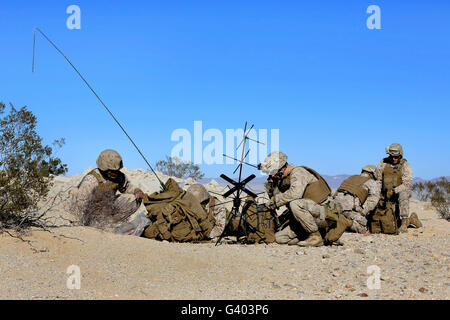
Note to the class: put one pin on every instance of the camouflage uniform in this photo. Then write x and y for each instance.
(352, 207)
(307, 212)
(403, 190)
(219, 213)
(125, 201)
(96, 201)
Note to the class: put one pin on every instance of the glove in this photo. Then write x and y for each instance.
(389, 194)
(138, 194)
(271, 204)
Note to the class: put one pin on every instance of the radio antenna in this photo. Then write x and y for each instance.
(96, 95)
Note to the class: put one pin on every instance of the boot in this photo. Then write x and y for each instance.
(314, 240)
(293, 241)
(342, 224)
(414, 221)
(404, 225)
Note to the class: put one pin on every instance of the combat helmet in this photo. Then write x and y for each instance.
(109, 160)
(199, 192)
(273, 162)
(395, 150)
(371, 169)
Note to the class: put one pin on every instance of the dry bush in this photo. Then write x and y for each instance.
(438, 193)
(26, 168)
(101, 211)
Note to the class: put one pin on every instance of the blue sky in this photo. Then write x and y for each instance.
(337, 91)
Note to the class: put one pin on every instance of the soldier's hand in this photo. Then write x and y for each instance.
(138, 194)
(271, 205)
(389, 194)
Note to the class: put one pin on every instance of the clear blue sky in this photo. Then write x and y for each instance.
(337, 91)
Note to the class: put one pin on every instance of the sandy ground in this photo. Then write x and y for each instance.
(412, 266)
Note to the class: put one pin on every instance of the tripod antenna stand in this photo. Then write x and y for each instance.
(239, 187)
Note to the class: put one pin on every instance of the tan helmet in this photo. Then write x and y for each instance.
(273, 162)
(395, 150)
(109, 160)
(370, 169)
(199, 191)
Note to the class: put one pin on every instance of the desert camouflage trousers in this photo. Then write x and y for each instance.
(359, 222)
(220, 216)
(308, 213)
(403, 203)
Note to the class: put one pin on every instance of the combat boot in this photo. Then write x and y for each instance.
(314, 240)
(293, 241)
(404, 225)
(414, 220)
(342, 224)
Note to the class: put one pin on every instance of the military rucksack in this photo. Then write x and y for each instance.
(336, 222)
(253, 224)
(176, 215)
(384, 219)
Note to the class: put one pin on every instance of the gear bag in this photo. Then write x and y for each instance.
(384, 219)
(176, 215)
(337, 223)
(253, 226)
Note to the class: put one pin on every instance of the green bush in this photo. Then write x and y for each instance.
(175, 167)
(437, 192)
(26, 167)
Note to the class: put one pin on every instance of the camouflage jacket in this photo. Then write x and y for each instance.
(407, 176)
(299, 180)
(89, 183)
(351, 202)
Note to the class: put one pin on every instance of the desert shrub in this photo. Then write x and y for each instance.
(437, 192)
(175, 167)
(26, 168)
(101, 211)
(420, 190)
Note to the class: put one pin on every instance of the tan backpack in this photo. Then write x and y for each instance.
(384, 219)
(176, 215)
(253, 226)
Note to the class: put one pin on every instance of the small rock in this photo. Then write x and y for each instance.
(364, 295)
(360, 251)
(325, 256)
(275, 286)
(350, 287)
(423, 290)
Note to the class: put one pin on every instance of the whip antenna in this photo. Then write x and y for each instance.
(107, 109)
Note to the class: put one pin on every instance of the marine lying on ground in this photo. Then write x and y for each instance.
(105, 198)
(377, 200)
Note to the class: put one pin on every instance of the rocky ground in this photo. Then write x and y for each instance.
(412, 266)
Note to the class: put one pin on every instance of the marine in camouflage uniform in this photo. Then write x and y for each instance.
(395, 175)
(108, 182)
(211, 205)
(358, 196)
(303, 191)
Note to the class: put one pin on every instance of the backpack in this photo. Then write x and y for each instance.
(252, 226)
(176, 215)
(384, 219)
